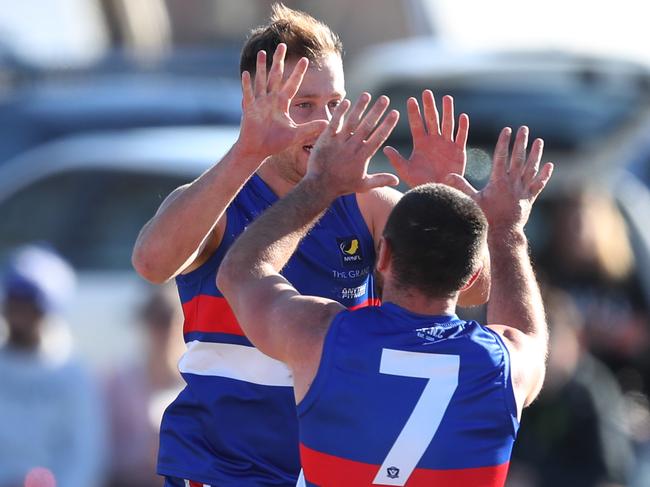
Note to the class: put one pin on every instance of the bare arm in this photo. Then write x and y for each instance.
(277, 319)
(190, 223)
(515, 309)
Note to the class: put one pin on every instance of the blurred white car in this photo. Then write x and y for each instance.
(89, 195)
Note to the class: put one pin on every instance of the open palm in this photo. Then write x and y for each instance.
(266, 127)
(436, 152)
(514, 184)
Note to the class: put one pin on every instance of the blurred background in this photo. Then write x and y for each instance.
(108, 105)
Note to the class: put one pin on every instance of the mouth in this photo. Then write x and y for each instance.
(307, 148)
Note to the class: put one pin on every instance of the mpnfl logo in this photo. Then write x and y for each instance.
(349, 250)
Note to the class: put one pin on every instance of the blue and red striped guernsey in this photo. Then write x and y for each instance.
(407, 399)
(235, 422)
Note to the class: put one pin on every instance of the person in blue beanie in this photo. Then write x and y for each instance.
(50, 419)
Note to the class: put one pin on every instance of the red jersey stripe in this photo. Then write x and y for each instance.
(210, 314)
(366, 303)
(330, 471)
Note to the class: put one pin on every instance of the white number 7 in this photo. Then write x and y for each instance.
(413, 440)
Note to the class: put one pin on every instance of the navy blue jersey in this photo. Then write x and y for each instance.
(407, 399)
(235, 423)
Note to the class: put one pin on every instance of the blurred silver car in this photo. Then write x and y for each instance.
(593, 113)
(89, 195)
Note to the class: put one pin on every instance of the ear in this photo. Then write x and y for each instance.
(384, 255)
(472, 279)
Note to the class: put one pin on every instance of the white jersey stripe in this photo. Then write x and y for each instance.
(234, 362)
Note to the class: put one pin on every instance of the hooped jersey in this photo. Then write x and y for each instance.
(407, 399)
(235, 423)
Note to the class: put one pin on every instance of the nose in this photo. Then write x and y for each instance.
(323, 113)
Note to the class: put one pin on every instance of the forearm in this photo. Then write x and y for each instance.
(173, 237)
(515, 298)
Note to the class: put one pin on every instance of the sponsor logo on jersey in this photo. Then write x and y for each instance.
(392, 472)
(354, 292)
(352, 274)
(350, 250)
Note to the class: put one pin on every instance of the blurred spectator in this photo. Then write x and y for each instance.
(575, 434)
(49, 409)
(590, 256)
(138, 393)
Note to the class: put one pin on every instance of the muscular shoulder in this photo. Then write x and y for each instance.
(375, 206)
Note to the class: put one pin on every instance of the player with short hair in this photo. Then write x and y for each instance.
(405, 393)
(234, 424)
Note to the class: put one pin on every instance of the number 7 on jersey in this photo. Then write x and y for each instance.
(420, 428)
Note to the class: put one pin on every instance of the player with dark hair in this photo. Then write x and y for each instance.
(235, 424)
(405, 393)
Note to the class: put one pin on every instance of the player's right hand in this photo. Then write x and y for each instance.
(339, 160)
(266, 127)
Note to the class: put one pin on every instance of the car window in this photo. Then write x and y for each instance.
(567, 117)
(91, 216)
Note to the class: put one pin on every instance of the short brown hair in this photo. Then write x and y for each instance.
(303, 34)
(436, 236)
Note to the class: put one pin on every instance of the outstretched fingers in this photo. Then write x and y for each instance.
(381, 133)
(540, 180)
(431, 113)
(369, 121)
(448, 118)
(533, 161)
(292, 84)
(354, 118)
(500, 158)
(518, 157)
(260, 74)
(336, 122)
(248, 95)
(415, 119)
(463, 130)
(277, 68)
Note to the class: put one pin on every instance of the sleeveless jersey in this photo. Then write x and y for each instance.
(407, 399)
(235, 423)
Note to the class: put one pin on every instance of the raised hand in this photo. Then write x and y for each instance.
(340, 157)
(266, 127)
(514, 183)
(436, 152)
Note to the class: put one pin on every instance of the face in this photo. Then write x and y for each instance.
(24, 319)
(321, 91)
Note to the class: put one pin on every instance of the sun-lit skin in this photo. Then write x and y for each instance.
(321, 91)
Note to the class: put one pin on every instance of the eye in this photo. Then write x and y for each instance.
(334, 103)
(304, 105)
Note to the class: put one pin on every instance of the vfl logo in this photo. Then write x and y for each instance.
(349, 250)
(392, 472)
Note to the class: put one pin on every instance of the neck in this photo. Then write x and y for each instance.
(280, 181)
(419, 303)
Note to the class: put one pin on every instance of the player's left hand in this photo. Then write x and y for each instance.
(436, 152)
(515, 182)
(339, 160)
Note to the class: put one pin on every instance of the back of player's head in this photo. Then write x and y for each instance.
(304, 36)
(436, 236)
